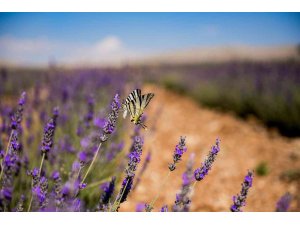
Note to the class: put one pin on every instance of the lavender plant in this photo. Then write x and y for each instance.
(164, 208)
(240, 200)
(134, 159)
(202, 171)
(144, 167)
(108, 128)
(283, 203)
(16, 120)
(40, 184)
(108, 190)
(178, 152)
(182, 202)
(67, 159)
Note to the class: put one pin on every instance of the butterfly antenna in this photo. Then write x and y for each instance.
(144, 126)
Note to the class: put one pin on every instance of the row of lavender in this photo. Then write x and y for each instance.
(270, 91)
(57, 163)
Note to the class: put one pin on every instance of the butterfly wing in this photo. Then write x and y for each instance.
(146, 99)
(131, 103)
(132, 109)
(135, 104)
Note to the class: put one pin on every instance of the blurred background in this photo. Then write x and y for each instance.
(230, 75)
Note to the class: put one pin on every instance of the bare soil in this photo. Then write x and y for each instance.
(244, 144)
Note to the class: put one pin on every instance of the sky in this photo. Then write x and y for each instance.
(37, 38)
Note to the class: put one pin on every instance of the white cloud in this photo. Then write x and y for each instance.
(38, 51)
(109, 44)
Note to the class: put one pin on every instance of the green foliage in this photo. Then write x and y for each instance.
(269, 92)
(262, 169)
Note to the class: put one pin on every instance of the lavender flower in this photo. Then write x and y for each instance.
(125, 189)
(164, 208)
(17, 117)
(108, 190)
(240, 199)
(82, 158)
(20, 205)
(201, 172)
(110, 123)
(148, 207)
(283, 203)
(49, 130)
(35, 181)
(5, 198)
(57, 189)
(2, 152)
(183, 201)
(179, 150)
(134, 159)
(140, 207)
(40, 192)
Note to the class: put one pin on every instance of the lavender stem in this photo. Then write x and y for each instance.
(40, 171)
(92, 163)
(96, 183)
(9, 140)
(115, 207)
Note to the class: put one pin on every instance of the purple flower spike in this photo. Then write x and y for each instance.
(82, 158)
(55, 175)
(17, 117)
(82, 186)
(110, 123)
(108, 190)
(182, 202)
(283, 203)
(49, 130)
(134, 159)
(22, 99)
(179, 150)
(126, 188)
(140, 207)
(164, 208)
(201, 172)
(240, 199)
(2, 153)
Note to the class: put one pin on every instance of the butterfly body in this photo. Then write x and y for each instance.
(135, 104)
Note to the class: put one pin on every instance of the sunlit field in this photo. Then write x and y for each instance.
(149, 112)
(65, 145)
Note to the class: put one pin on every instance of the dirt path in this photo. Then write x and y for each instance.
(243, 146)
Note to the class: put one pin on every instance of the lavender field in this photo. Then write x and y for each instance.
(149, 112)
(66, 147)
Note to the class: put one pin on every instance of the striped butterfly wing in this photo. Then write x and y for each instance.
(145, 100)
(133, 103)
(132, 109)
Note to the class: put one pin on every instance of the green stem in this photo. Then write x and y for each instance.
(8, 145)
(40, 170)
(117, 202)
(96, 183)
(194, 184)
(92, 163)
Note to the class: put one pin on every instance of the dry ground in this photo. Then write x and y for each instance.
(244, 144)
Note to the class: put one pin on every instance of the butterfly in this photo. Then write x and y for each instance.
(135, 103)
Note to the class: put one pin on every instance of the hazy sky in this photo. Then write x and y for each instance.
(36, 38)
